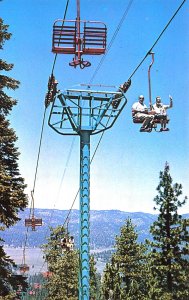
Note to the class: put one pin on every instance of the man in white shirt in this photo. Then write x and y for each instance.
(161, 112)
(140, 111)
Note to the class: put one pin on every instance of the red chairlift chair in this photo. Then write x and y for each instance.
(33, 222)
(79, 37)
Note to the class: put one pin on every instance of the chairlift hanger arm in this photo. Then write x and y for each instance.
(149, 79)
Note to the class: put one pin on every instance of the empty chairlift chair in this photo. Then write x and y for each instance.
(33, 222)
(79, 38)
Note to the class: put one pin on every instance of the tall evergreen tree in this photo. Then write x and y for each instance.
(12, 196)
(126, 275)
(110, 287)
(130, 258)
(170, 245)
(94, 280)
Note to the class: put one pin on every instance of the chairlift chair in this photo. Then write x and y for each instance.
(67, 243)
(24, 268)
(47, 274)
(33, 222)
(79, 37)
(155, 121)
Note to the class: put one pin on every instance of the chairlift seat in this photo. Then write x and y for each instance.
(94, 38)
(139, 121)
(64, 38)
(33, 222)
(24, 268)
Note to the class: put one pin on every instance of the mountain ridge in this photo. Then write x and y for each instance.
(104, 226)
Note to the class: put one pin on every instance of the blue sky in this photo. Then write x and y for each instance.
(125, 170)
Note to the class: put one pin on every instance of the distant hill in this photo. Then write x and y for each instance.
(104, 226)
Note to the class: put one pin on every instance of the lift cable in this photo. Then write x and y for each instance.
(65, 12)
(40, 141)
(112, 39)
(157, 39)
(129, 78)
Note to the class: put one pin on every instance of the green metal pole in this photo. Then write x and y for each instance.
(84, 278)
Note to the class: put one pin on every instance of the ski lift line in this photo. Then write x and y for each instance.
(71, 208)
(40, 141)
(65, 12)
(112, 39)
(32, 204)
(157, 40)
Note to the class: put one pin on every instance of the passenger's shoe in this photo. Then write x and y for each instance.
(148, 130)
(145, 129)
(165, 129)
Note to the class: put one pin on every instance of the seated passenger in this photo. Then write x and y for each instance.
(160, 112)
(140, 111)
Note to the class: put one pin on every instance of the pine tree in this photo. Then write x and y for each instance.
(12, 196)
(130, 258)
(94, 280)
(126, 274)
(170, 245)
(110, 281)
